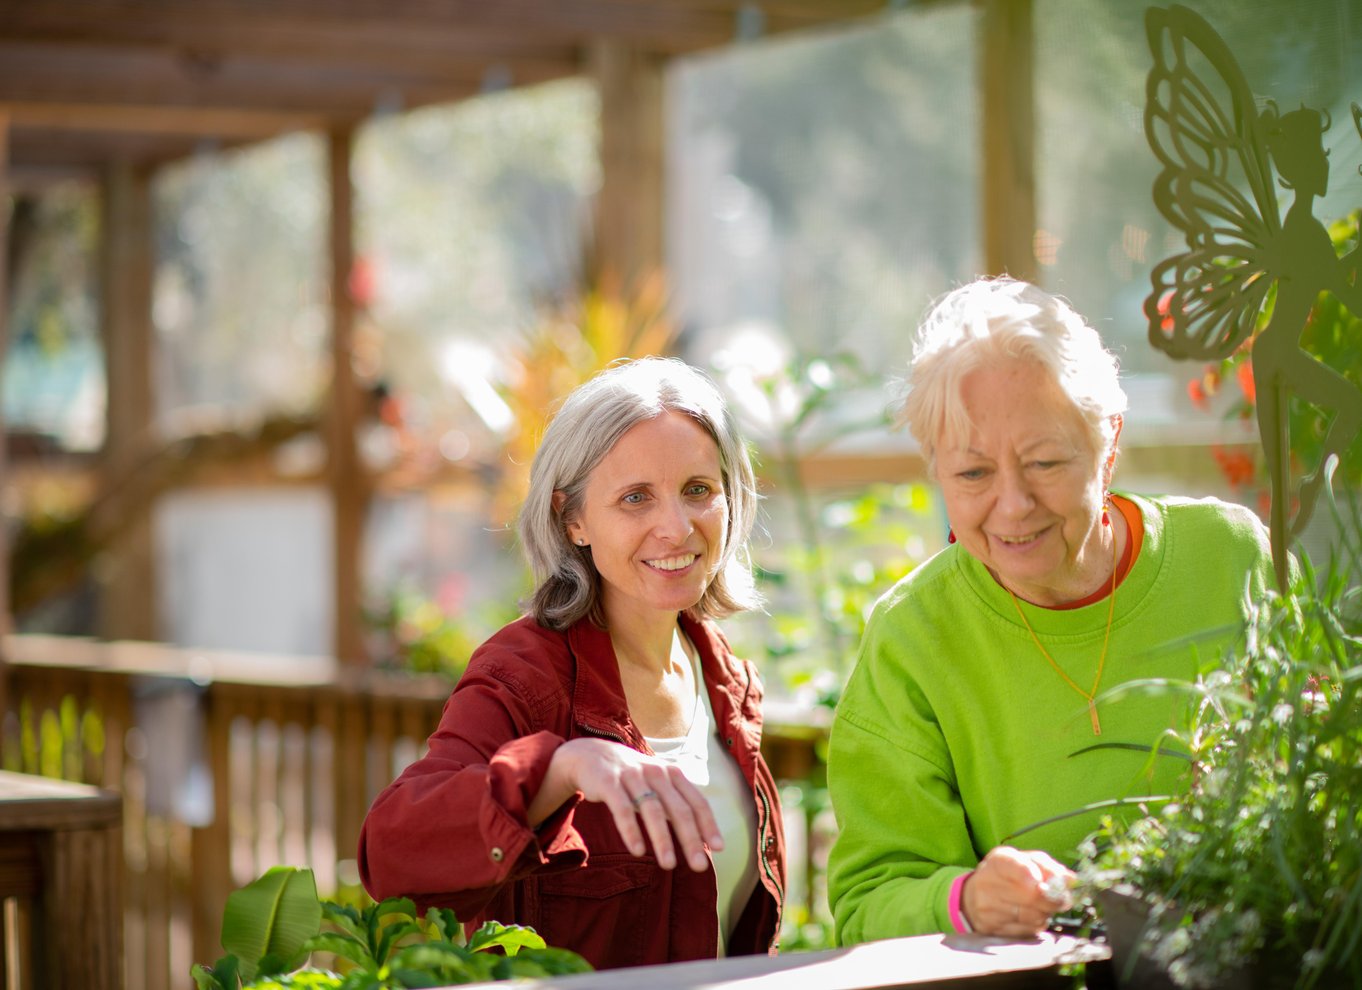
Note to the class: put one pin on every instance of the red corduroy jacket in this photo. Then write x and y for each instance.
(451, 830)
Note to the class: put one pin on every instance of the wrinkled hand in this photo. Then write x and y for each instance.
(633, 786)
(1014, 892)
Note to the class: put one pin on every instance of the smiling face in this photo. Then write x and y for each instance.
(1024, 492)
(655, 516)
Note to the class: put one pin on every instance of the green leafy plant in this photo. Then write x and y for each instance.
(1261, 859)
(271, 926)
(414, 633)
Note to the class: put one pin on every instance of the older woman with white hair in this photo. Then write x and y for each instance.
(609, 736)
(979, 690)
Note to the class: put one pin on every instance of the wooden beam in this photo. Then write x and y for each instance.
(127, 575)
(33, 150)
(34, 178)
(161, 119)
(629, 206)
(1006, 57)
(207, 34)
(462, 27)
(31, 73)
(346, 478)
(655, 24)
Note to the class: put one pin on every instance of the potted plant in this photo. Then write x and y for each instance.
(271, 927)
(1254, 876)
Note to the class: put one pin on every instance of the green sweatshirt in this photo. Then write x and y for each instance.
(954, 732)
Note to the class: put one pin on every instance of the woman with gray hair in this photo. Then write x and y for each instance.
(610, 730)
(978, 696)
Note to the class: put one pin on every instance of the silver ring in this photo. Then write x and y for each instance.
(638, 799)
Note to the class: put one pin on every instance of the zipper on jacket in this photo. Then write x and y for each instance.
(765, 864)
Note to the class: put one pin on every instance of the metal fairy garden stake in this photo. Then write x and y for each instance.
(1218, 153)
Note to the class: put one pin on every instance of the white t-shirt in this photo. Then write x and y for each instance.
(710, 767)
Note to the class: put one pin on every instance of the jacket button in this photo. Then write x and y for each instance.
(497, 854)
(729, 741)
(770, 841)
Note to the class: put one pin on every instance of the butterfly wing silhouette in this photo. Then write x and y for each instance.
(1215, 187)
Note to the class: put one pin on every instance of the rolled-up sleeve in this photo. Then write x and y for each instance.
(453, 827)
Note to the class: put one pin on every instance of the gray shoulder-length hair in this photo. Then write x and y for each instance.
(587, 426)
(998, 318)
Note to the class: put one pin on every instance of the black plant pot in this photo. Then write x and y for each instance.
(1126, 917)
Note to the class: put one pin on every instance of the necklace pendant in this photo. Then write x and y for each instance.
(1096, 722)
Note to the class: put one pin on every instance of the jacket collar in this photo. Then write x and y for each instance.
(597, 693)
(598, 698)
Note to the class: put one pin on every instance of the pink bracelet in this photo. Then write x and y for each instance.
(957, 913)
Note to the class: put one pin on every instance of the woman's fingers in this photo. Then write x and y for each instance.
(1010, 892)
(651, 806)
(625, 814)
(684, 808)
(646, 796)
(705, 821)
(1056, 880)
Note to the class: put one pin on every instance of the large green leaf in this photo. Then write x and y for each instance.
(511, 938)
(269, 920)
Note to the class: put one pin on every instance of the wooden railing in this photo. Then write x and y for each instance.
(228, 763)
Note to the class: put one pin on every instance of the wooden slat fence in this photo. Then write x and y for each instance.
(228, 763)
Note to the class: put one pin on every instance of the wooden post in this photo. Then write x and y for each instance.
(6, 620)
(1006, 85)
(127, 573)
(211, 844)
(629, 206)
(345, 473)
(61, 850)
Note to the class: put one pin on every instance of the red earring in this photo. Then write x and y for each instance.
(950, 536)
(1106, 504)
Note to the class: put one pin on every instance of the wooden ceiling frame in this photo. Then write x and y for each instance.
(111, 89)
(145, 81)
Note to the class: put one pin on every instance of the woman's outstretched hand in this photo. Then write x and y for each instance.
(633, 786)
(1014, 892)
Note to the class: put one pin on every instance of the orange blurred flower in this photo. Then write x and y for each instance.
(1244, 375)
(1164, 308)
(1196, 393)
(1236, 465)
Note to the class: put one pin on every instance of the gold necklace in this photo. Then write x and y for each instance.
(1091, 696)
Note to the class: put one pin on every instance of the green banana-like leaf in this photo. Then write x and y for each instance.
(270, 919)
